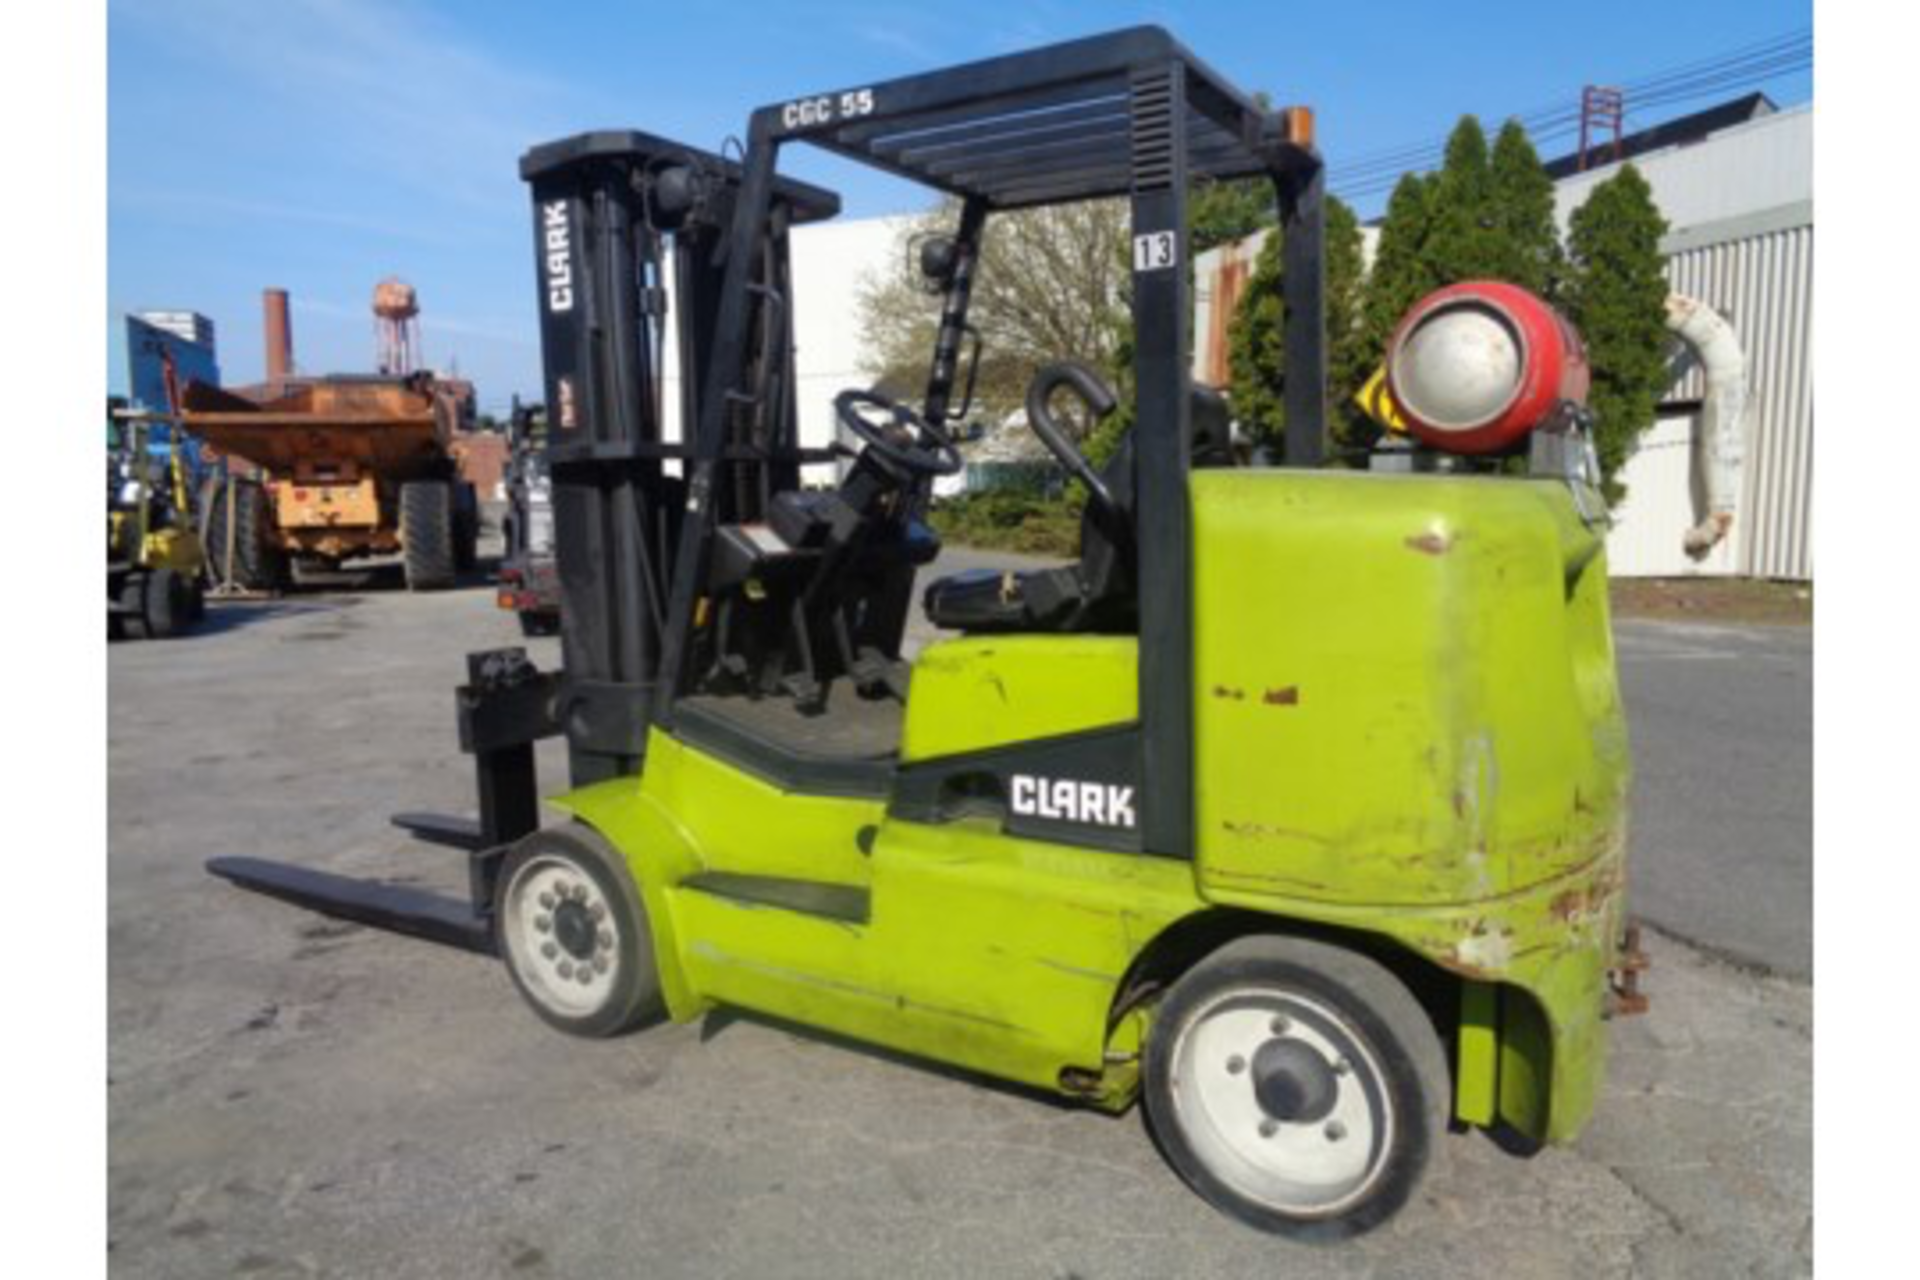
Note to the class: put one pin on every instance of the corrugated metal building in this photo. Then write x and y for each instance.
(1739, 205)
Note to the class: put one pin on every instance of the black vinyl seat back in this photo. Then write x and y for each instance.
(1099, 592)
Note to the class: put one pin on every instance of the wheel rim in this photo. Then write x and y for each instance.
(561, 936)
(1281, 1097)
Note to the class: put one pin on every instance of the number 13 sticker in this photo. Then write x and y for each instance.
(1155, 251)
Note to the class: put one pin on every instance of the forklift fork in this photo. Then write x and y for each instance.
(506, 706)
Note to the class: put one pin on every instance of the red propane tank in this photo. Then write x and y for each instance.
(1475, 366)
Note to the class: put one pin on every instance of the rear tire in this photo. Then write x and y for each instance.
(427, 534)
(257, 564)
(1297, 1086)
(573, 932)
(466, 527)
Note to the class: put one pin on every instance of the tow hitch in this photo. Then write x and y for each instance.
(1624, 997)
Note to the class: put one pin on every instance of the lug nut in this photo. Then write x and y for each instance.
(606, 938)
(547, 901)
(598, 911)
(1280, 1026)
(566, 968)
(1341, 1066)
(600, 964)
(548, 950)
(1268, 1128)
(1236, 1064)
(585, 975)
(543, 923)
(1335, 1131)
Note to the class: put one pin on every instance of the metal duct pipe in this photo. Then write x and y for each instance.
(279, 321)
(1720, 440)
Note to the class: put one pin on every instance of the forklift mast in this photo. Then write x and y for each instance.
(616, 215)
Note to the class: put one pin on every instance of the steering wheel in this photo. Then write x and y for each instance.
(906, 440)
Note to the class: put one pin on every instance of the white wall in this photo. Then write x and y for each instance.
(1757, 271)
(831, 263)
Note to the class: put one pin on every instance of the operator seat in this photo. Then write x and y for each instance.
(1098, 593)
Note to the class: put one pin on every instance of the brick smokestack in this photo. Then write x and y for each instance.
(279, 335)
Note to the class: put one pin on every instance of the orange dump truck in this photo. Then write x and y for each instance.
(325, 470)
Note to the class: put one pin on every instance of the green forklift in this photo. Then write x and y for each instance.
(1294, 808)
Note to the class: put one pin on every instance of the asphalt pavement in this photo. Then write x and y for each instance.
(290, 1095)
(1721, 721)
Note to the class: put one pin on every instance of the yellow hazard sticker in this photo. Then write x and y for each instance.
(1377, 402)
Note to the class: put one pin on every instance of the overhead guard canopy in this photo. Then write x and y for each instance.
(1067, 123)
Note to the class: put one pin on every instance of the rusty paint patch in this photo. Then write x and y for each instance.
(1287, 696)
(1230, 694)
(1565, 906)
(1433, 542)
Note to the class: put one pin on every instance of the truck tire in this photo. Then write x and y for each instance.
(257, 564)
(427, 534)
(466, 527)
(570, 925)
(1296, 1085)
(133, 603)
(166, 604)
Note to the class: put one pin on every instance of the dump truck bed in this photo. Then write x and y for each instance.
(392, 427)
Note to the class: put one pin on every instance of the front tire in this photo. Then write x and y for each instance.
(1296, 1085)
(133, 606)
(166, 604)
(574, 934)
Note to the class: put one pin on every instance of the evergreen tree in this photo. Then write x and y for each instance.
(1466, 241)
(1221, 212)
(1257, 341)
(1349, 358)
(1403, 270)
(1528, 240)
(1615, 296)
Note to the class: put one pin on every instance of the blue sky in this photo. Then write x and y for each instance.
(320, 145)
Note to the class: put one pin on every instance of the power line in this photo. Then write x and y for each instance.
(1426, 154)
(1793, 45)
(1374, 172)
(1383, 174)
